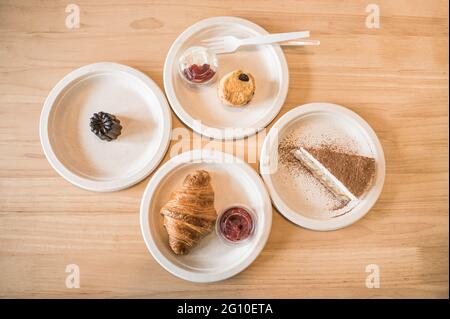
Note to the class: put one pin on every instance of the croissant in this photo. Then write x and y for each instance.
(189, 215)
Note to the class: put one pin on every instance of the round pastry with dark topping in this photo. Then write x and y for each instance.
(106, 126)
(236, 88)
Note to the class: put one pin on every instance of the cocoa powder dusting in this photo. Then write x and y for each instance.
(286, 153)
(291, 142)
(354, 171)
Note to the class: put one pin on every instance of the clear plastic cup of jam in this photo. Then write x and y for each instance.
(198, 66)
(236, 224)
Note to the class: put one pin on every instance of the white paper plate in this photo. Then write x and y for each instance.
(81, 157)
(318, 122)
(267, 64)
(233, 182)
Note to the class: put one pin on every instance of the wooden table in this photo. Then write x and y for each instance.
(395, 76)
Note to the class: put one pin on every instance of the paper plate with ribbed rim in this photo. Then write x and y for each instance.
(234, 182)
(200, 108)
(318, 122)
(79, 155)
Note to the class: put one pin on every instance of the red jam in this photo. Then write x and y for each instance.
(199, 73)
(236, 224)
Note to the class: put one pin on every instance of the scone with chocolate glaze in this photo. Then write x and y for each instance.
(236, 88)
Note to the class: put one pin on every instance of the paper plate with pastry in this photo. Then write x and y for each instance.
(105, 126)
(323, 166)
(205, 215)
(225, 96)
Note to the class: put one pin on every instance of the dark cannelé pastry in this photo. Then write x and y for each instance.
(106, 126)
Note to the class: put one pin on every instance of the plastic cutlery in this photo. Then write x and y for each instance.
(300, 43)
(229, 44)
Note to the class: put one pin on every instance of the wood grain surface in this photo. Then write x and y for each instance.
(396, 77)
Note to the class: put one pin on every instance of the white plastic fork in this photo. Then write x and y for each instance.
(300, 43)
(229, 44)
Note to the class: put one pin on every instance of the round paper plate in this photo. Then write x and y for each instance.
(200, 108)
(318, 123)
(234, 182)
(79, 155)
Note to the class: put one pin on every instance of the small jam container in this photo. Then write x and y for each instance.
(236, 224)
(198, 66)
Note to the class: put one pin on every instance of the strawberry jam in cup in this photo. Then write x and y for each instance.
(236, 224)
(198, 65)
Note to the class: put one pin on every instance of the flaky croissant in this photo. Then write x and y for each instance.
(189, 215)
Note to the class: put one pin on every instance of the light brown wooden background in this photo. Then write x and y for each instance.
(396, 77)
